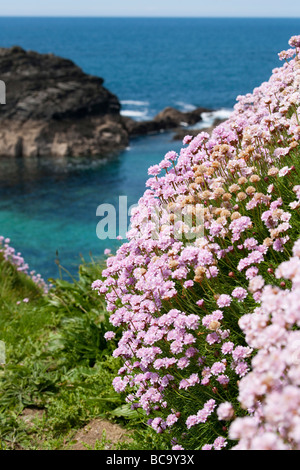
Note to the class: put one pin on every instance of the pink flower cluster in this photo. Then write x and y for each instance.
(218, 444)
(271, 392)
(178, 298)
(202, 415)
(10, 255)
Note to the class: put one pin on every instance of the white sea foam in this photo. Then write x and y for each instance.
(135, 109)
(185, 107)
(209, 118)
(134, 103)
(133, 113)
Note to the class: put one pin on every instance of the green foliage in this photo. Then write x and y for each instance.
(103, 444)
(145, 438)
(57, 360)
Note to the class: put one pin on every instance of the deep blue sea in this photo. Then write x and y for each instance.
(50, 205)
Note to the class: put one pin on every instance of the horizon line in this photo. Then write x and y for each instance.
(148, 17)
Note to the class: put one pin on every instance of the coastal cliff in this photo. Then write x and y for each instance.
(54, 108)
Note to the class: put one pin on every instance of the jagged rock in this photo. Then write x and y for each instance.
(171, 118)
(54, 108)
(168, 119)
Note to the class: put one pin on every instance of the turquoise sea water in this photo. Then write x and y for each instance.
(50, 205)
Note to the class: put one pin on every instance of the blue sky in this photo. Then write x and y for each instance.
(178, 8)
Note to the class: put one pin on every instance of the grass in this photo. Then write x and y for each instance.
(58, 365)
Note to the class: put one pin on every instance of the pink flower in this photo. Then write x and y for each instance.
(256, 283)
(225, 411)
(171, 420)
(188, 284)
(280, 152)
(224, 300)
(187, 139)
(239, 293)
(285, 55)
(294, 41)
(219, 443)
(251, 272)
(223, 379)
(154, 170)
(109, 335)
(213, 338)
(183, 362)
(207, 447)
(192, 421)
(227, 347)
(171, 156)
(284, 171)
(165, 164)
(241, 352)
(218, 368)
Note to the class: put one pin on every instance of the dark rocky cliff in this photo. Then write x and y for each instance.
(54, 108)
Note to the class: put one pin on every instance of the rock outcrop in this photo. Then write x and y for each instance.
(168, 119)
(54, 108)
